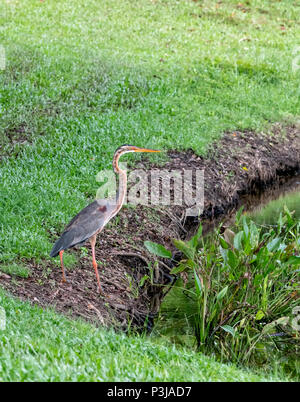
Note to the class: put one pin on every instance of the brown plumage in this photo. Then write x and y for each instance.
(90, 221)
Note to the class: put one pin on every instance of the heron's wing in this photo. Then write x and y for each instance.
(84, 225)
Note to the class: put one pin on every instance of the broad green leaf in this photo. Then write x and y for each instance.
(198, 285)
(274, 244)
(237, 242)
(229, 329)
(157, 249)
(232, 259)
(179, 268)
(224, 244)
(188, 251)
(224, 253)
(245, 227)
(254, 233)
(222, 293)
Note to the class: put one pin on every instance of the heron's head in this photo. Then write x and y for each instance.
(123, 149)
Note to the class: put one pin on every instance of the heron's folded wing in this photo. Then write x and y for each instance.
(85, 224)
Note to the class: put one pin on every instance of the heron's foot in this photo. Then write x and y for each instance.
(103, 294)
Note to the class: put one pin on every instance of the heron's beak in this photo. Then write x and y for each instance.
(136, 149)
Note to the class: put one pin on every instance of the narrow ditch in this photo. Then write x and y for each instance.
(255, 200)
(242, 168)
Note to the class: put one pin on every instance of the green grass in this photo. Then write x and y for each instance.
(40, 345)
(16, 270)
(82, 78)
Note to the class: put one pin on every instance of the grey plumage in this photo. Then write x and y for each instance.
(84, 225)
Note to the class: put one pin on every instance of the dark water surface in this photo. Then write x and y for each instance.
(266, 210)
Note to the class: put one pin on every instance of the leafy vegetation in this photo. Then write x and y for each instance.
(239, 293)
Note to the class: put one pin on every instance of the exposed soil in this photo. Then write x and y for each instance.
(240, 164)
(13, 136)
(123, 263)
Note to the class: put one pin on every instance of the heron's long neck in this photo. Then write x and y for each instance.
(122, 190)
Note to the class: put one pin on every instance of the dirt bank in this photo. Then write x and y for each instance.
(239, 164)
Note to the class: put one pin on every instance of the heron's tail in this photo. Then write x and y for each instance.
(58, 246)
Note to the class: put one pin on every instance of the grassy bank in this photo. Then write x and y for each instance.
(39, 345)
(82, 79)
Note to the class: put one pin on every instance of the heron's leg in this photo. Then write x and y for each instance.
(62, 266)
(93, 242)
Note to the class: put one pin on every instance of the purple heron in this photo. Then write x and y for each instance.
(90, 221)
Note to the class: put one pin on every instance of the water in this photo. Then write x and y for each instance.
(268, 212)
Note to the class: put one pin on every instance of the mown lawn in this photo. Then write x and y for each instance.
(41, 345)
(82, 78)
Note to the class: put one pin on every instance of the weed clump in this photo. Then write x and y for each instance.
(237, 296)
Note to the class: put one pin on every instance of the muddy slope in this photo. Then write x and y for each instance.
(240, 163)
